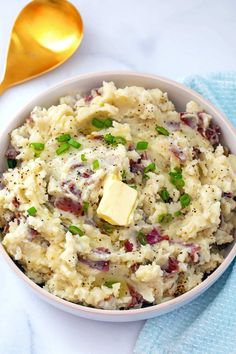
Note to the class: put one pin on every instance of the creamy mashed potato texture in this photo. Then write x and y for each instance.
(115, 200)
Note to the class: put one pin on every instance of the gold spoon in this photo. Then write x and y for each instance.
(45, 34)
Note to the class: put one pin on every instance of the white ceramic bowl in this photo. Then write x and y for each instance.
(180, 95)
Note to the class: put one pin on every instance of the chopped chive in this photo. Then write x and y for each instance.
(108, 228)
(95, 165)
(162, 130)
(164, 195)
(74, 143)
(85, 207)
(150, 168)
(76, 230)
(123, 175)
(63, 148)
(97, 123)
(11, 163)
(114, 140)
(177, 213)
(142, 145)
(177, 170)
(107, 123)
(120, 140)
(100, 124)
(37, 154)
(83, 157)
(179, 184)
(145, 177)
(32, 211)
(184, 200)
(142, 238)
(109, 284)
(37, 146)
(109, 139)
(176, 178)
(164, 218)
(64, 137)
(133, 186)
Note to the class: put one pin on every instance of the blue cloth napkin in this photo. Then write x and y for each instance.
(208, 324)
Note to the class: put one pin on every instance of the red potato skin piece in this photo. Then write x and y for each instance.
(173, 265)
(227, 195)
(86, 174)
(178, 153)
(136, 298)
(16, 202)
(74, 190)
(196, 152)
(102, 250)
(88, 98)
(128, 246)
(154, 236)
(173, 126)
(11, 153)
(136, 166)
(32, 234)
(144, 155)
(192, 123)
(135, 267)
(212, 133)
(193, 254)
(68, 205)
(99, 265)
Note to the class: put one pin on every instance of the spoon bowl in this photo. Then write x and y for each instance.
(45, 34)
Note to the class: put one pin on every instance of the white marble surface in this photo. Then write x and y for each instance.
(171, 38)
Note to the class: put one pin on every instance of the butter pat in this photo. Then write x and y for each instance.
(118, 202)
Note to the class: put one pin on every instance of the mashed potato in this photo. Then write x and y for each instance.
(115, 200)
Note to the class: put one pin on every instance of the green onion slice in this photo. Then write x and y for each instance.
(109, 284)
(165, 218)
(63, 148)
(164, 195)
(37, 146)
(107, 123)
(95, 165)
(177, 213)
(108, 228)
(123, 175)
(185, 200)
(74, 143)
(37, 154)
(32, 211)
(142, 145)
(176, 178)
(98, 123)
(109, 139)
(83, 157)
(150, 168)
(120, 140)
(114, 140)
(142, 238)
(11, 163)
(85, 207)
(76, 230)
(162, 130)
(101, 124)
(64, 137)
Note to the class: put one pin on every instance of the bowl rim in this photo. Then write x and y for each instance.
(155, 309)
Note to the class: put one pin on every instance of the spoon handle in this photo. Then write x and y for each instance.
(3, 87)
